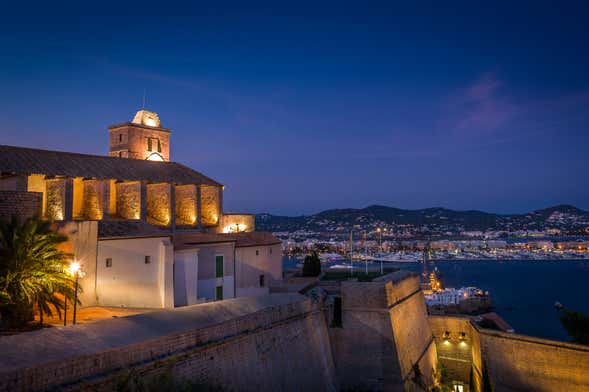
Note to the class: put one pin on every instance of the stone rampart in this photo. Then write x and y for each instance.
(515, 362)
(384, 337)
(524, 363)
(22, 204)
(276, 342)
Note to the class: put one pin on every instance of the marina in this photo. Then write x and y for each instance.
(523, 292)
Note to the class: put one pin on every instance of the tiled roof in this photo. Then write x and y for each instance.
(254, 238)
(130, 229)
(25, 161)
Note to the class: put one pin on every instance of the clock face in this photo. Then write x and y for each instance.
(150, 121)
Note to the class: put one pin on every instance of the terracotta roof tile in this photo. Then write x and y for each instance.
(254, 238)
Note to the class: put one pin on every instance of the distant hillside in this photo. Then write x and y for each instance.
(562, 217)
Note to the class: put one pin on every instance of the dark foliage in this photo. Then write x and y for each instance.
(576, 325)
(312, 265)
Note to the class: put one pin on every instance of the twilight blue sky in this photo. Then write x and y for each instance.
(303, 107)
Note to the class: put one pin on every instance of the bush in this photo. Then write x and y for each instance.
(576, 325)
(312, 265)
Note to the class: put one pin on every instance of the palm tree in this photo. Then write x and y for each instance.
(33, 271)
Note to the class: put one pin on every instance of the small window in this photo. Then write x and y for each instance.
(120, 137)
(262, 283)
(270, 250)
(147, 259)
(257, 252)
(108, 262)
(159, 146)
(219, 293)
(219, 266)
(149, 146)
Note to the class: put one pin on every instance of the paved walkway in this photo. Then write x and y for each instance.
(92, 314)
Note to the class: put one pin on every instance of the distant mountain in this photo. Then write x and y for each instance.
(437, 219)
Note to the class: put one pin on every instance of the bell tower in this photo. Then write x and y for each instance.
(142, 138)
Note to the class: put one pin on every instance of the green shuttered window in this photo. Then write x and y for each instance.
(219, 266)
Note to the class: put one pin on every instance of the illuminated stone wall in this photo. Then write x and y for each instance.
(55, 199)
(129, 200)
(186, 205)
(94, 194)
(78, 203)
(515, 362)
(237, 222)
(457, 355)
(159, 204)
(210, 205)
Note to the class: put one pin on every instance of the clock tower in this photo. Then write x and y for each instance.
(142, 138)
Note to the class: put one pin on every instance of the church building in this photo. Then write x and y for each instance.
(147, 231)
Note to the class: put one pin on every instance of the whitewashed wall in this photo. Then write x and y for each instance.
(130, 282)
(249, 267)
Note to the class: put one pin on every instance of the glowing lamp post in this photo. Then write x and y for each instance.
(76, 272)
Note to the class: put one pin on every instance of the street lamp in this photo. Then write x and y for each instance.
(74, 269)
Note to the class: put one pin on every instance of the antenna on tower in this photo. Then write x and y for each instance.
(143, 106)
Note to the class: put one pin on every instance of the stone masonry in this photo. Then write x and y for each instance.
(159, 204)
(129, 200)
(22, 204)
(186, 205)
(209, 202)
(277, 342)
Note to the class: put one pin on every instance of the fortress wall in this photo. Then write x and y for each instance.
(276, 342)
(518, 362)
(515, 362)
(22, 204)
(384, 333)
(413, 337)
(363, 352)
(458, 356)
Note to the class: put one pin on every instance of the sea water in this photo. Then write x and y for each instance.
(523, 292)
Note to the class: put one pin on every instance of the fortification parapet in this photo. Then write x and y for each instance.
(249, 344)
(515, 362)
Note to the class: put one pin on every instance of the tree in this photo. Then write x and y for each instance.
(576, 325)
(312, 265)
(33, 271)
